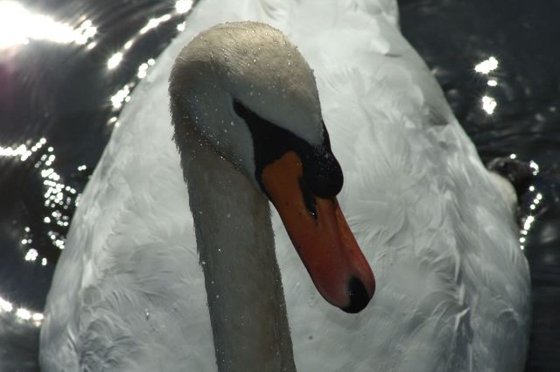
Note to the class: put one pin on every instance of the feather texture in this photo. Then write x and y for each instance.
(452, 284)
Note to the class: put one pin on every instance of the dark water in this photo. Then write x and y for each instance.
(453, 37)
(61, 92)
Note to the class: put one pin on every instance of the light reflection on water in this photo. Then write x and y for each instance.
(58, 197)
(21, 314)
(489, 104)
(485, 67)
(20, 27)
(181, 8)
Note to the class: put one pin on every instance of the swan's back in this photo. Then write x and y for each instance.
(452, 284)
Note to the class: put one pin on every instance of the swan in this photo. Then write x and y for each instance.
(163, 275)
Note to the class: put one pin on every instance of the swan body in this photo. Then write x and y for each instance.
(452, 284)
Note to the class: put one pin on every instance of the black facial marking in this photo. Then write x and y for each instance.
(322, 175)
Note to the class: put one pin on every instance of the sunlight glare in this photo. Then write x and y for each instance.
(114, 60)
(489, 104)
(18, 26)
(183, 6)
(487, 66)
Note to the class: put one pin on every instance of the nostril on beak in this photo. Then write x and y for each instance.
(359, 298)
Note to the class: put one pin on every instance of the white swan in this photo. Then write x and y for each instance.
(452, 285)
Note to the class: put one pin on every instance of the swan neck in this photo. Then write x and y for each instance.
(243, 283)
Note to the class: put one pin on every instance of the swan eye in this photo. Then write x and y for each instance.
(308, 198)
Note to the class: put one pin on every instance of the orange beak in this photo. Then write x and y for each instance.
(320, 235)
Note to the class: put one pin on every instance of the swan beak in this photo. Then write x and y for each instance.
(320, 235)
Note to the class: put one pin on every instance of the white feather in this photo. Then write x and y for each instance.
(452, 284)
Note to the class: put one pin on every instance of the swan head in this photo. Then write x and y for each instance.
(245, 91)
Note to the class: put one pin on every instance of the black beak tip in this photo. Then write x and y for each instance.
(359, 297)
